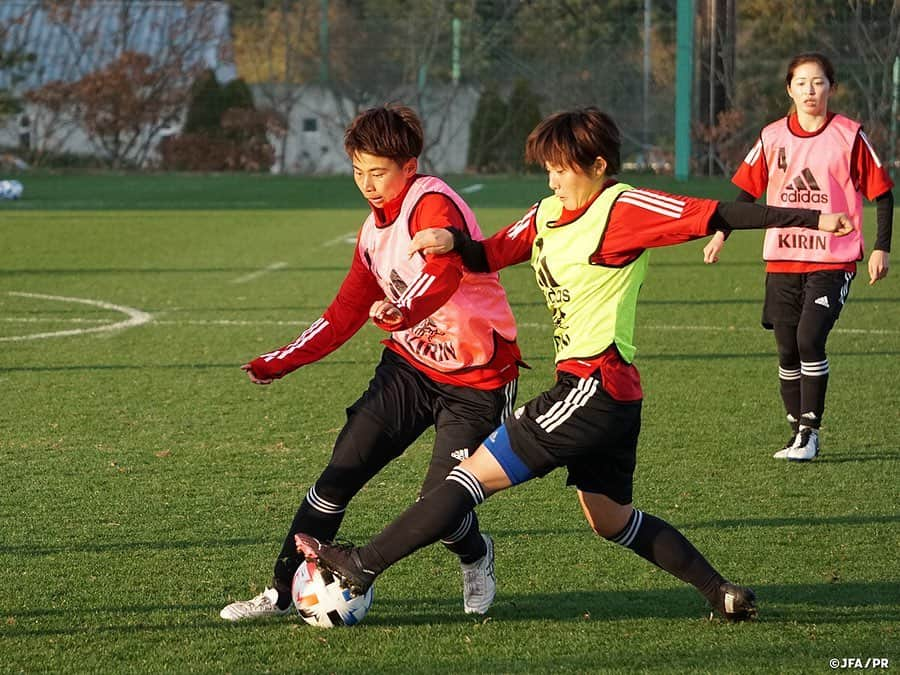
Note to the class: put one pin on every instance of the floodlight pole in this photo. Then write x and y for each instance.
(684, 75)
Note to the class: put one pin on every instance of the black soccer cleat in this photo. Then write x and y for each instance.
(736, 603)
(342, 560)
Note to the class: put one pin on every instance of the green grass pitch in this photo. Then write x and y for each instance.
(146, 482)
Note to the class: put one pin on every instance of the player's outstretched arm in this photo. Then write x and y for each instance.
(431, 241)
(837, 224)
(247, 368)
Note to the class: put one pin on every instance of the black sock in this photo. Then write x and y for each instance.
(316, 517)
(655, 540)
(814, 386)
(466, 541)
(437, 514)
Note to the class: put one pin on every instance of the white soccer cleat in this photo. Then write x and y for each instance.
(807, 447)
(479, 582)
(790, 445)
(262, 605)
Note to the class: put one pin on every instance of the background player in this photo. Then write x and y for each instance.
(451, 360)
(823, 160)
(588, 246)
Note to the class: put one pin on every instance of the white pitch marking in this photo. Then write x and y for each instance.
(346, 238)
(135, 318)
(258, 273)
(475, 187)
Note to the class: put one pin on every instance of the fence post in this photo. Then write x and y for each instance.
(684, 75)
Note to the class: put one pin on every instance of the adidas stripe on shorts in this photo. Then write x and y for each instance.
(578, 425)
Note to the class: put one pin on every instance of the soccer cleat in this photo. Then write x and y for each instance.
(479, 582)
(342, 560)
(736, 603)
(264, 604)
(790, 445)
(807, 447)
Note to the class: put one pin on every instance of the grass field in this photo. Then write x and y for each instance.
(146, 482)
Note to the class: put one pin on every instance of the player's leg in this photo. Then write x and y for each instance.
(781, 312)
(825, 294)
(425, 522)
(536, 439)
(789, 381)
(657, 541)
(463, 418)
(385, 420)
(392, 413)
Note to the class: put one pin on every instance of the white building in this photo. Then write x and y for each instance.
(85, 37)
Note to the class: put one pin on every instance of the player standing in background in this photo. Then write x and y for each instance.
(451, 360)
(822, 160)
(587, 244)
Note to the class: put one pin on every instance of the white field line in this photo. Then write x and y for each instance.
(469, 189)
(346, 238)
(135, 318)
(138, 317)
(258, 273)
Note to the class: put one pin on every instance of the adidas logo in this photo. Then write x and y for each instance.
(823, 301)
(804, 189)
(460, 455)
(519, 412)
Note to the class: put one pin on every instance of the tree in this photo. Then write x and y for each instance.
(15, 64)
(124, 106)
(119, 95)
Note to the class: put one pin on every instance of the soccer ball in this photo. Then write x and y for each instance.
(10, 189)
(322, 601)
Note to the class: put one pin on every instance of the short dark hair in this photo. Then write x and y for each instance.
(810, 57)
(392, 131)
(576, 138)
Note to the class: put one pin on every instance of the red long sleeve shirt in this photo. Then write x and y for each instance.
(639, 220)
(350, 308)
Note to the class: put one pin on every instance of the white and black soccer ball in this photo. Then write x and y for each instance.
(10, 189)
(321, 600)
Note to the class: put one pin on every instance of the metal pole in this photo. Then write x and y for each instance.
(323, 43)
(648, 6)
(710, 152)
(455, 63)
(684, 73)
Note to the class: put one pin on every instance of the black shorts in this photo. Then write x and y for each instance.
(400, 404)
(790, 295)
(578, 425)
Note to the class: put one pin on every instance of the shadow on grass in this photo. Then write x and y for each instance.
(781, 603)
(32, 550)
(38, 550)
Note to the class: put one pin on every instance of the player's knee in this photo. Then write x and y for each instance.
(811, 346)
(338, 486)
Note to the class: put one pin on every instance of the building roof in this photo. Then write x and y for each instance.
(79, 37)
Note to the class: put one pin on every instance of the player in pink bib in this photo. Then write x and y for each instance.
(450, 362)
(816, 159)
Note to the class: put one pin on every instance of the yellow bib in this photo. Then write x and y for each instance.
(593, 306)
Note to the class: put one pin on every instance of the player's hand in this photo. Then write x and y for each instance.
(253, 378)
(836, 223)
(385, 313)
(711, 250)
(879, 264)
(431, 241)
